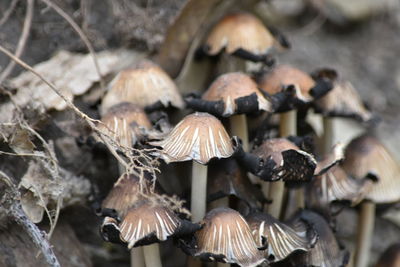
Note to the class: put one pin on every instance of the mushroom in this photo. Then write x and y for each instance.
(126, 123)
(277, 238)
(199, 137)
(225, 237)
(145, 85)
(284, 161)
(229, 179)
(342, 101)
(327, 252)
(245, 36)
(135, 215)
(390, 257)
(232, 95)
(331, 185)
(366, 155)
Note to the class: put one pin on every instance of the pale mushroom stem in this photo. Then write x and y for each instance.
(366, 230)
(238, 124)
(287, 126)
(152, 255)
(327, 138)
(199, 191)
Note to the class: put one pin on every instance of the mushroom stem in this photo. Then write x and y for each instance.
(137, 258)
(152, 255)
(327, 138)
(199, 191)
(366, 230)
(238, 124)
(287, 126)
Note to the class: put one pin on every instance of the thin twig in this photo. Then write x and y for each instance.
(8, 12)
(81, 34)
(22, 40)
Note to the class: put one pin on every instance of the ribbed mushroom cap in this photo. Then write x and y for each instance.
(281, 76)
(240, 31)
(147, 223)
(289, 162)
(326, 252)
(200, 137)
(390, 257)
(279, 239)
(226, 237)
(343, 101)
(126, 123)
(232, 86)
(365, 154)
(144, 85)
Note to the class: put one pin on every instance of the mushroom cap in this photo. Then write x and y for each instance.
(126, 123)
(148, 222)
(326, 251)
(281, 76)
(200, 137)
(280, 239)
(390, 257)
(365, 154)
(143, 85)
(343, 101)
(289, 162)
(226, 236)
(239, 31)
(125, 193)
(231, 86)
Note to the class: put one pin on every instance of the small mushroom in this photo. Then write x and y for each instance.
(126, 123)
(232, 95)
(327, 252)
(145, 85)
(229, 179)
(199, 137)
(277, 238)
(243, 35)
(225, 237)
(390, 257)
(366, 155)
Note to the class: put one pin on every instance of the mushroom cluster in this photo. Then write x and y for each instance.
(261, 192)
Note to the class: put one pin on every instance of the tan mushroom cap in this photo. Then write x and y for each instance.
(225, 232)
(148, 219)
(237, 31)
(126, 123)
(231, 86)
(200, 137)
(390, 257)
(343, 99)
(274, 147)
(366, 154)
(125, 192)
(284, 75)
(282, 240)
(144, 85)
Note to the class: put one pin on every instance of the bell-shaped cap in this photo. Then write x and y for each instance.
(229, 179)
(126, 123)
(200, 137)
(343, 101)
(326, 251)
(277, 238)
(390, 257)
(366, 155)
(240, 31)
(226, 237)
(232, 89)
(286, 161)
(144, 85)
